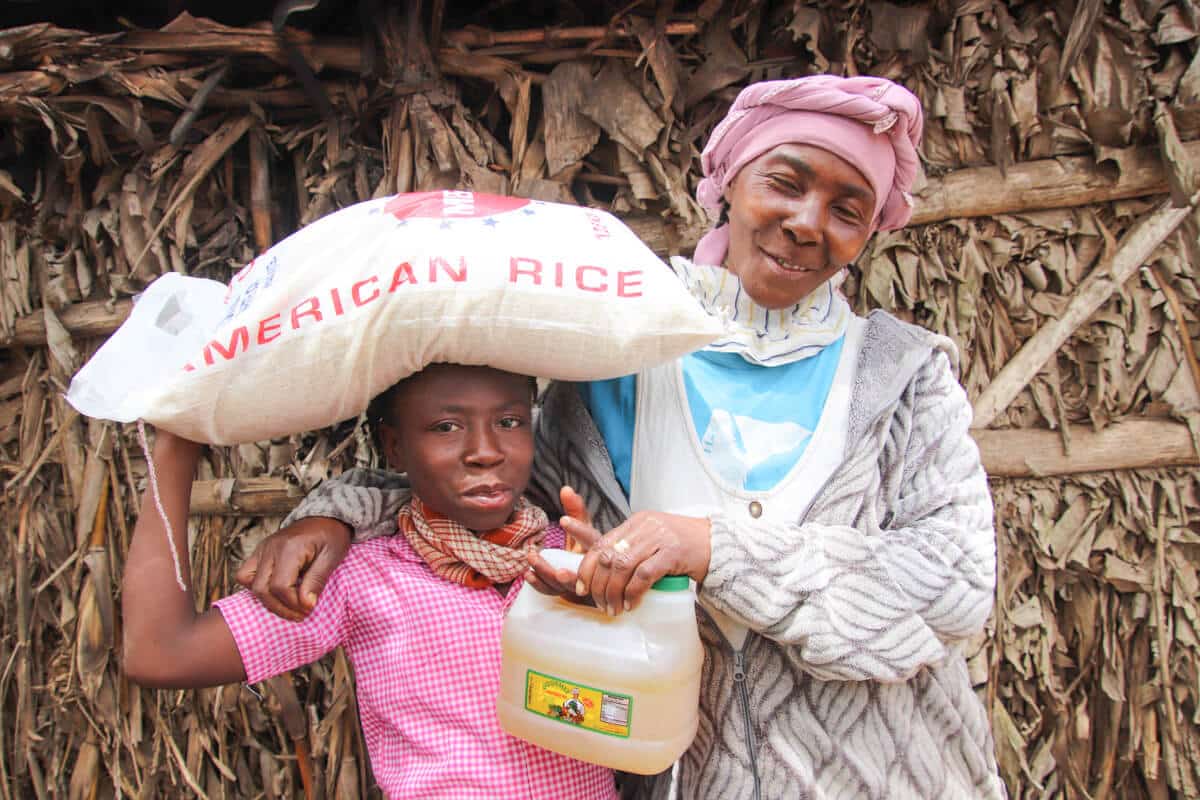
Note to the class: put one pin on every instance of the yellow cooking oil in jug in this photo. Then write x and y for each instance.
(619, 691)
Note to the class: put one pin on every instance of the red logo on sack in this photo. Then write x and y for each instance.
(451, 205)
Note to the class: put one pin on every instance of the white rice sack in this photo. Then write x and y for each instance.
(306, 334)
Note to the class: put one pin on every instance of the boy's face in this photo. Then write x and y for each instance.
(464, 436)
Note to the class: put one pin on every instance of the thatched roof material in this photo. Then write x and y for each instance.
(1055, 132)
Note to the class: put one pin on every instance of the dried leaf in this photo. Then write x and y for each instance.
(1082, 23)
(59, 342)
(723, 65)
(1181, 173)
(569, 135)
(664, 63)
(901, 28)
(616, 105)
(1189, 84)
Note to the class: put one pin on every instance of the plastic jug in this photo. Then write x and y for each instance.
(618, 691)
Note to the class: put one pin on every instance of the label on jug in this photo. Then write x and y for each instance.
(579, 705)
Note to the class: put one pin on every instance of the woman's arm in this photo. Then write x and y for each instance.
(893, 593)
(877, 600)
(570, 450)
(166, 644)
(365, 500)
(288, 569)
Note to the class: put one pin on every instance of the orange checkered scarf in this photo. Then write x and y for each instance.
(477, 560)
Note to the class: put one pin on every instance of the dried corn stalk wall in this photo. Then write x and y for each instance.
(123, 156)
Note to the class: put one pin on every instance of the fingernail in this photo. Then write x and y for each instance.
(626, 605)
(580, 588)
(311, 599)
(609, 610)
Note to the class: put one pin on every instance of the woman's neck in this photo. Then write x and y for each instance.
(765, 336)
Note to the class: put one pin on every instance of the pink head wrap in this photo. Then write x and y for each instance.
(871, 123)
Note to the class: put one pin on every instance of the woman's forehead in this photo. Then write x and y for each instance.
(813, 161)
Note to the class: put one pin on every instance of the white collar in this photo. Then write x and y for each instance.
(763, 336)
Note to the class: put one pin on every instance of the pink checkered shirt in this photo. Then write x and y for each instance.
(426, 656)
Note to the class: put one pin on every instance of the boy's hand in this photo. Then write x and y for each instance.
(541, 575)
(290, 567)
(548, 580)
(573, 507)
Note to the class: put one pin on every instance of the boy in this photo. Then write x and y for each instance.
(419, 615)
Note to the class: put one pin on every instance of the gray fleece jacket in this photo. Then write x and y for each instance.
(851, 683)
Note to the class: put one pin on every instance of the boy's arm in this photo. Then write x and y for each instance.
(166, 644)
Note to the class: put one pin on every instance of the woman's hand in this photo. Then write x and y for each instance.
(289, 568)
(621, 565)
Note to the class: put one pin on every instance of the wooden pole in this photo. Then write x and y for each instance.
(1131, 444)
(346, 54)
(251, 497)
(260, 190)
(94, 318)
(342, 54)
(1137, 246)
(1014, 453)
(1046, 183)
(480, 37)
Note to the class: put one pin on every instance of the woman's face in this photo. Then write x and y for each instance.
(797, 215)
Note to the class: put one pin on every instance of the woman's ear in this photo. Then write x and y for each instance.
(393, 448)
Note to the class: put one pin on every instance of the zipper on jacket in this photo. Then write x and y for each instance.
(739, 679)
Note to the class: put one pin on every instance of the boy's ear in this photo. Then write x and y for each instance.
(393, 448)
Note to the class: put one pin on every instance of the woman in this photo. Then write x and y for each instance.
(812, 472)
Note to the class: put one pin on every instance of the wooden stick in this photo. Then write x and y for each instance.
(295, 722)
(24, 714)
(666, 238)
(480, 37)
(1131, 444)
(1108, 277)
(339, 54)
(95, 318)
(244, 497)
(1014, 453)
(604, 180)
(343, 55)
(346, 54)
(556, 55)
(196, 105)
(1042, 184)
(260, 190)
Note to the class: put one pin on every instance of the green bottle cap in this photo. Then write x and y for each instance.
(671, 583)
